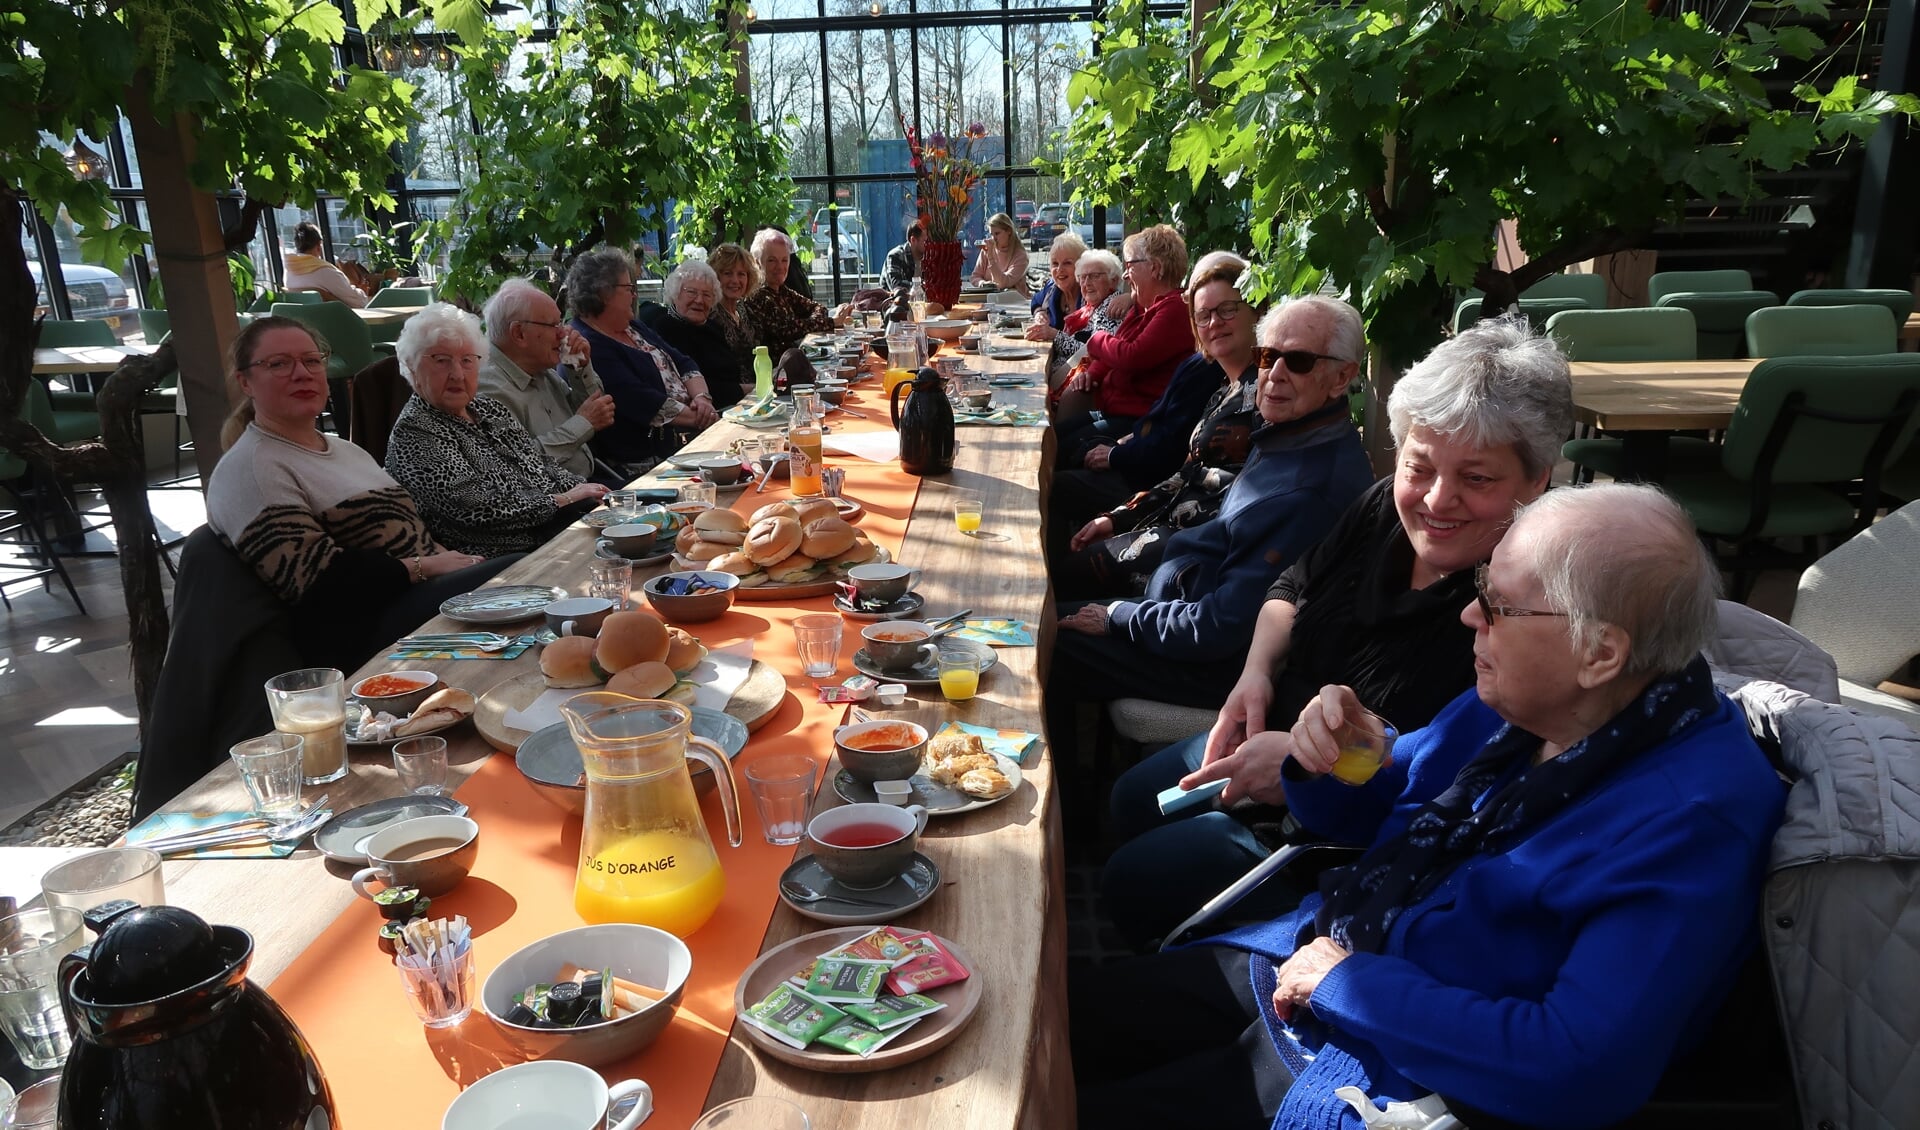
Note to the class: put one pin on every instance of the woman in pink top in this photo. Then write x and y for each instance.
(1126, 370)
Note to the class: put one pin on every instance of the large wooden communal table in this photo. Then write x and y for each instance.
(385, 315)
(85, 358)
(1910, 330)
(1001, 897)
(1646, 401)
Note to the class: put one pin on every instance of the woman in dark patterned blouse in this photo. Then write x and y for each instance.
(326, 529)
(780, 316)
(483, 483)
(739, 274)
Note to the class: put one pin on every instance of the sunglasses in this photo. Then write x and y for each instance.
(1299, 362)
(1490, 610)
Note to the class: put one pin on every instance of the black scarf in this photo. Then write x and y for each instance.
(1364, 898)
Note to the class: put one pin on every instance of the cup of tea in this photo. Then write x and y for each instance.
(630, 539)
(578, 615)
(724, 471)
(866, 845)
(549, 1093)
(881, 750)
(899, 645)
(429, 853)
(882, 582)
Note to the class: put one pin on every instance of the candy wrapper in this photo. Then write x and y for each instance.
(936, 966)
(791, 1016)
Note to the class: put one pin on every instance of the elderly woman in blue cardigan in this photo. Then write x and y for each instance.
(1560, 876)
(660, 397)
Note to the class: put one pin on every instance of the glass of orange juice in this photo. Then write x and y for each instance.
(1364, 744)
(959, 675)
(966, 514)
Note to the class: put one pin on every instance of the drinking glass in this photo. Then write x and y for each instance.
(817, 638)
(611, 579)
(312, 704)
(270, 769)
(966, 514)
(706, 493)
(623, 501)
(31, 946)
(782, 788)
(37, 1108)
(1364, 743)
(106, 876)
(755, 1112)
(421, 764)
(959, 675)
(442, 993)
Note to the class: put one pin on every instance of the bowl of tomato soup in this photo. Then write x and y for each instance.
(397, 693)
(881, 750)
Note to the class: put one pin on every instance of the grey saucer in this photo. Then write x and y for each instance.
(915, 886)
(343, 838)
(906, 608)
(926, 674)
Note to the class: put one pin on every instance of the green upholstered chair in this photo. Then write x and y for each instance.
(348, 339)
(305, 297)
(1899, 303)
(1636, 334)
(1663, 283)
(1805, 427)
(66, 335)
(1536, 310)
(1720, 317)
(1821, 331)
(402, 296)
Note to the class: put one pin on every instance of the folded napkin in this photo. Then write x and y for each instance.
(1003, 417)
(996, 633)
(166, 824)
(1014, 745)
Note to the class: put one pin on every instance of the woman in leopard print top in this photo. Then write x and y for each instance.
(484, 484)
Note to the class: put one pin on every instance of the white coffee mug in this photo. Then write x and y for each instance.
(549, 1094)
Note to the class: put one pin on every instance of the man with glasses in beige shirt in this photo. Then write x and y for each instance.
(563, 408)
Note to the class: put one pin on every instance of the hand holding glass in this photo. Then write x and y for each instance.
(1364, 744)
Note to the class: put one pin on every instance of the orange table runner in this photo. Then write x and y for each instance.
(386, 1069)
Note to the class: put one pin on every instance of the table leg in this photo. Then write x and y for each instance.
(1643, 456)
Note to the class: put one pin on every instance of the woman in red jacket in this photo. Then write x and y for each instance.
(1126, 370)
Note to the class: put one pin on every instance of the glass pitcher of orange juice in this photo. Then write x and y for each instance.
(645, 855)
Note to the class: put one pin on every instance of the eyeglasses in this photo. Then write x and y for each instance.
(448, 360)
(1137, 262)
(1490, 609)
(282, 366)
(537, 322)
(1299, 362)
(621, 286)
(1225, 312)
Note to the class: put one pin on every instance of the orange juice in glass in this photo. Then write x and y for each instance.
(959, 675)
(1364, 744)
(966, 514)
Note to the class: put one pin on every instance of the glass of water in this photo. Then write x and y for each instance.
(31, 946)
(270, 769)
(421, 764)
(817, 638)
(611, 578)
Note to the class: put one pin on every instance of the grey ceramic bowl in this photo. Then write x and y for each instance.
(634, 539)
(398, 705)
(833, 394)
(880, 765)
(698, 607)
(946, 329)
(640, 954)
(725, 471)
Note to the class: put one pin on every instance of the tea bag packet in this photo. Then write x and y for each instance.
(791, 1016)
(883, 944)
(888, 1012)
(936, 966)
(839, 979)
(853, 1036)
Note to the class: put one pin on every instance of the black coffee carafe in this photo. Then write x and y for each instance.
(169, 1033)
(925, 424)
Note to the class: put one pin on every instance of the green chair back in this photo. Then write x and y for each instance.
(1625, 335)
(1842, 409)
(403, 296)
(1899, 303)
(1720, 317)
(1536, 310)
(1821, 331)
(66, 335)
(1664, 283)
(346, 334)
(155, 325)
(305, 296)
(1590, 289)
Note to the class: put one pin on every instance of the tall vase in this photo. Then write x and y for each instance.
(940, 271)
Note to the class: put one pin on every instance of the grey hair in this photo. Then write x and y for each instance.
(1496, 383)
(1625, 554)
(1349, 342)
(434, 324)
(766, 236)
(513, 302)
(593, 274)
(1099, 260)
(1069, 241)
(686, 272)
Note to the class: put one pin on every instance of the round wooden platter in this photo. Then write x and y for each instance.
(754, 703)
(925, 1038)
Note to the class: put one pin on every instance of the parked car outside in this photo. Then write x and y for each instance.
(853, 239)
(1023, 211)
(95, 293)
(1116, 224)
(1049, 221)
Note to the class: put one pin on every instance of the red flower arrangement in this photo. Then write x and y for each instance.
(945, 174)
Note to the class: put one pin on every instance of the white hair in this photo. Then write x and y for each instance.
(1497, 383)
(1099, 261)
(686, 272)
(1348, 341)
(1068, 241)
(1624, 554)
(515, 301)
(434, 324)
(765, 237)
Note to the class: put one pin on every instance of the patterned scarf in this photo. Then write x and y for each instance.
(1363, 899)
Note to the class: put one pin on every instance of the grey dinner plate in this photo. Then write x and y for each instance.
(690, 460)
(915, 886)
(344, 838)
(500, 604)
(936, 798)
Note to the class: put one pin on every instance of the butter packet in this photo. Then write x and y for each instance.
(791, 1016)
(837, 979)
(853, 1036)
(888, 1012)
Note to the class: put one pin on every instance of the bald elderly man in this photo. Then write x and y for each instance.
(527, 338)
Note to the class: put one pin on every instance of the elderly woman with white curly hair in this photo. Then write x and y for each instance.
(692, 294)
(781, 316)
(482, 482)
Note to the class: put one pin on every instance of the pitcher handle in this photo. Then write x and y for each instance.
(714, 758)
(893, 403)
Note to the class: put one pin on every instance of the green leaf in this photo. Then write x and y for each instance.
(321, 20)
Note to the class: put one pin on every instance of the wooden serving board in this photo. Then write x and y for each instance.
(753, 703)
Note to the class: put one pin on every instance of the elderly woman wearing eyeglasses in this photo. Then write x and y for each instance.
(483, 483)
(688, 322)
(1127, 369)
(322, 524)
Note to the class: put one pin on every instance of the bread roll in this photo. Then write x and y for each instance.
(775, 510)
(568, 662)
(442, 708)
(737, 563)
(826, 538)
(703, 551)
(862, 552)
(627, 638)
(772, 539)
(684, 540)
(643, 680)
(721, 526)
(792, 568)
(809, 510)
(684, 653)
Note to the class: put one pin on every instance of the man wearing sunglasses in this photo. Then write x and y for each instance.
(1181, 643)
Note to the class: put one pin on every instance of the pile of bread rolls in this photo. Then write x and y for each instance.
(635, 654)
(783, 543)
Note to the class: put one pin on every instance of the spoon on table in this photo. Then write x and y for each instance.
(800, 892)
(289, 833)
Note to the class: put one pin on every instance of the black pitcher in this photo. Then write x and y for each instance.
(169, 1033)
(925, 424)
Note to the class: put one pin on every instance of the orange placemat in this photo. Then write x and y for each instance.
(386, 1069)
